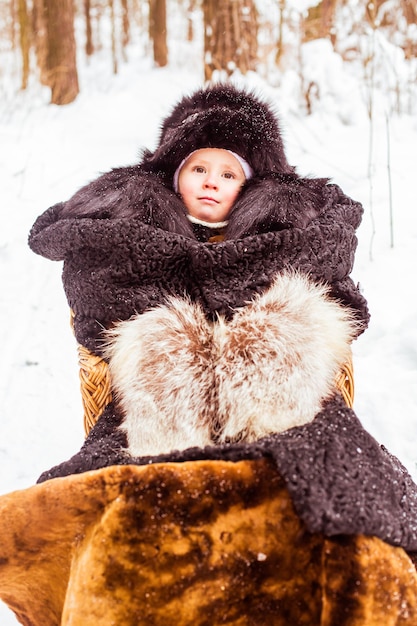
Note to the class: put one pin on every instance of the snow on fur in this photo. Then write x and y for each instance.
(183, 381)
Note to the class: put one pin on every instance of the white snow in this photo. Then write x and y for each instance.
(48, 152)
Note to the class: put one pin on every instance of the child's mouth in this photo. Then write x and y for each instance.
(208, 200)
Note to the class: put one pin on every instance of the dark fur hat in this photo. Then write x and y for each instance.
(220, 116)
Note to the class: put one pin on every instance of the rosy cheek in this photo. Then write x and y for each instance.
(183, 187)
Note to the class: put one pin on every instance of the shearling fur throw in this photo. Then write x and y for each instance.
(201, 543)
(182, 380)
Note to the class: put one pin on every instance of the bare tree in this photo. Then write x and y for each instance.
(89, 46)
(113, 37)
(280, 41)
(24, 30)
(126, 24)
(40, 40)
(192, 5)
(56, 49)
(158, 31)
(230, 36)
(409, 8)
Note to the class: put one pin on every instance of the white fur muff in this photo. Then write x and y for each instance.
(183, 381)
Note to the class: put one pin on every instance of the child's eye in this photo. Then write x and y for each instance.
(199, 169)
(229, 175)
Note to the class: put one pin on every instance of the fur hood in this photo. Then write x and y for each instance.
(221, 116)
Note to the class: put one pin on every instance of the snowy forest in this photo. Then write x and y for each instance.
(83, 87)
(46, 42)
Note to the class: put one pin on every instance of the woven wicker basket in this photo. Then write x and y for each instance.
(95, 386)
(345, 383)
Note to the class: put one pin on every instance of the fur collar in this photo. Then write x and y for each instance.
(267, 203)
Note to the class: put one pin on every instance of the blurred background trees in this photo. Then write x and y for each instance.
(230, 36)
(49, 37)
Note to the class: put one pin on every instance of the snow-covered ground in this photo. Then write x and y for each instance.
(48, 152)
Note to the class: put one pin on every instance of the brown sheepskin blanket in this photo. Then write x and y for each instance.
(199, 544)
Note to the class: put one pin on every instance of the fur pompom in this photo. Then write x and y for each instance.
(183, 381)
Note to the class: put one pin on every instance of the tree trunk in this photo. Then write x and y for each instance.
(409, 8)
(230, 36)
(40, 40)
(190, 25)
(57, 49)
(158, 31)
(280, 42)
(126, 24)
(13, 23)
(89, 47)
(113, 37)
(24, 28)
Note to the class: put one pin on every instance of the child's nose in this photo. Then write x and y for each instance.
(211, 182)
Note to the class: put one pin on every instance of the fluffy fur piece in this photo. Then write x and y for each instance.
(183, 381)
(162, 374)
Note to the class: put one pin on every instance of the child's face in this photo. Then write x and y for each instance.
(209, 183)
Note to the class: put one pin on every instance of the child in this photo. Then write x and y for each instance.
(226, 349)
(209, 181)
(212, 278)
